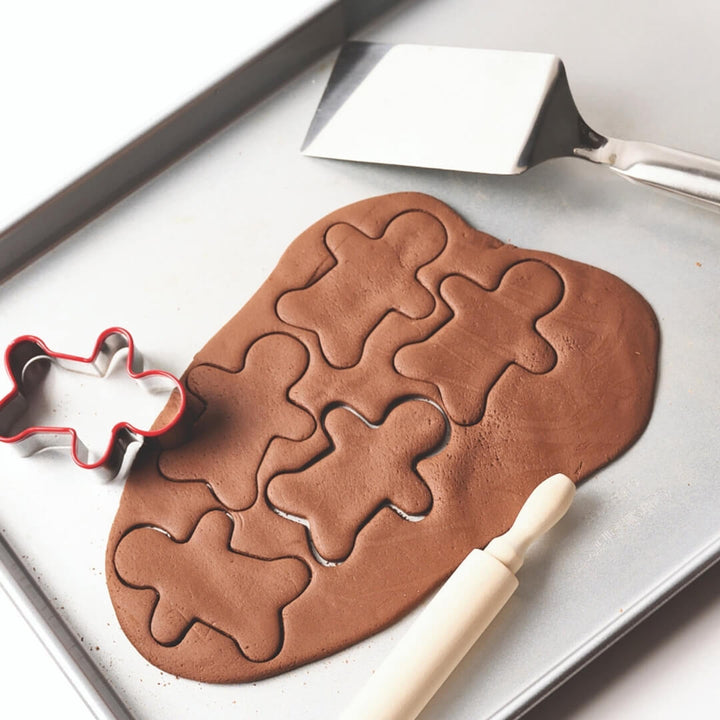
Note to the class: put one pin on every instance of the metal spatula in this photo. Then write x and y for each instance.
(485, 111)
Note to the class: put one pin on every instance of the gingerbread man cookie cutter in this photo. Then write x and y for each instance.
(27, 361)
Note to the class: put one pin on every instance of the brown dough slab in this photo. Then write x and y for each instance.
(202, 580)
(383, 274)
(487, 332)
(231, 436)
(367, 469)
(318, 497)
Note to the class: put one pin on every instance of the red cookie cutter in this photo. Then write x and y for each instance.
(24, 363)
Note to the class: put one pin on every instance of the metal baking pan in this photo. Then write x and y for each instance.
(189, 248)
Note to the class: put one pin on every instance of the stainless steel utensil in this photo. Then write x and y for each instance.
(485, 111)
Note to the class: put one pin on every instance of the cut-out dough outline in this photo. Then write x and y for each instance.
(205, 406)
(452, 315)
(435, 450)
(315, 278)
(196, 620)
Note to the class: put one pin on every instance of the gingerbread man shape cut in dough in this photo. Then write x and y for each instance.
(489, 331)
(371, 277)
(368, 467)
(245, 411)
(204, 580)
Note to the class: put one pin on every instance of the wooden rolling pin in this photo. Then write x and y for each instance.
(458, 614)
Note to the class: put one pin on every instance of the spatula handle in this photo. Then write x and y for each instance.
(691, 176)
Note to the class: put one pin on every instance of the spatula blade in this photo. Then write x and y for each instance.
(436, 107)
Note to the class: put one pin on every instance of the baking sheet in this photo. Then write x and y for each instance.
(180, 256)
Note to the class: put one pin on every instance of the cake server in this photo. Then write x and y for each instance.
(459, 613)
(484, 111)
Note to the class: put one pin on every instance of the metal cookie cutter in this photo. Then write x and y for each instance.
(27, 361)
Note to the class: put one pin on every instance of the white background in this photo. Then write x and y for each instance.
(53, 57)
